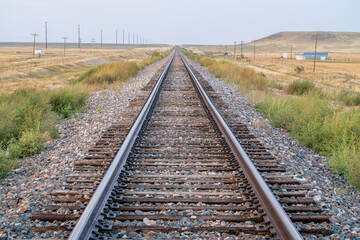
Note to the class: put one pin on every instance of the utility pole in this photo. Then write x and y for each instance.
(116, 38)
(92, 45)
(123, 36)
(137, 37)
(46, 35)
(129, 37)
(35, 35)
(235, 50)
(254, 49)
(101, 39)
(241, 48)
(65, 44)
(80, 43)
(79, 40)
(316, 39)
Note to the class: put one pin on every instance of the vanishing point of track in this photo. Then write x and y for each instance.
(182, 168)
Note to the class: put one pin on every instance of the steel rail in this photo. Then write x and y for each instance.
(283, 226)
(89, 217)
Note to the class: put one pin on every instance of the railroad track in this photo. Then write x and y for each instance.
(179, 169)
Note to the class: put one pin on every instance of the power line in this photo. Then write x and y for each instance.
(316, 39)
(235, 50)
(241, 48)
(35, 35)
(254, 50)
(92, 45)
(45, 35)
(101, 39)
(65, 44)
(79, 40)
(116, 37)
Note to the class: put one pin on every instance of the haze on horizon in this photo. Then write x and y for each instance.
(173, 22)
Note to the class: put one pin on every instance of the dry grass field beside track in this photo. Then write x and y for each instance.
(19, 69)
(342, 71)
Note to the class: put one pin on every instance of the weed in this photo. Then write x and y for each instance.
(98, 109)
(349, 98)
(300, 87)
(299, 69)
(67, 100)
(318, 125)
(110, 73)
(6, 164)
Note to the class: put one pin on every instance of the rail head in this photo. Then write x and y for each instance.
(283, 226)
(89, 217)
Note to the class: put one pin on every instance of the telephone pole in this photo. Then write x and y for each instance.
(101, 39)
(123, 36)
(316, 39)
(129, 37)
(116, 37)
(235, 50)
(92, 45)
(254, 49)
(35, 35)
(241, 48)
(65, 44)
(79, 40)
(46, 35)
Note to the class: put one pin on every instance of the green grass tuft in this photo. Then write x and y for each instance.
(300, 87)
(67, 100)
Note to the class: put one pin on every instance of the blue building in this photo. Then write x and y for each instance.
(310, 56)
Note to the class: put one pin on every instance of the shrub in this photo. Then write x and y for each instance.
(300, 87)
(155, 54)
(299, 69)
(30, 142)
(206, 61)
(6, 164)
(67, 100)
(25, 110)
(350, 98)
(110, 73)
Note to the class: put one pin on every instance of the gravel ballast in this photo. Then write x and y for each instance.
(340, 201)
(26, 189)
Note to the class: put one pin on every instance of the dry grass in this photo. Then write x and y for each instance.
(54, 69)
(341, 72)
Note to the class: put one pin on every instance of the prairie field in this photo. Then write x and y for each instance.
(19, 69)
(341, 71)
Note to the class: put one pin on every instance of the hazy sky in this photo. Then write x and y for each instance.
(173, 21)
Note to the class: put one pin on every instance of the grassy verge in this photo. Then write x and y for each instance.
(28, 117)
(308, 113)
(244, 78)
(332, 131)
